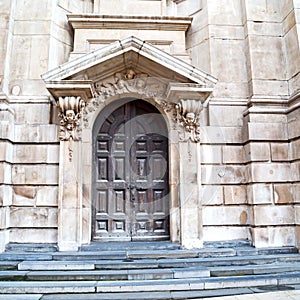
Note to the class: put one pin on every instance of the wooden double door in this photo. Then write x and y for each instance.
(131, 188)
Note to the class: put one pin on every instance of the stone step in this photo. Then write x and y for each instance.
(167, 295)
(155, 263)
(141, 274)
(55, 265)
(125, 246)
(8, 265)
(254, 269)
(33, 248)
(150, 286)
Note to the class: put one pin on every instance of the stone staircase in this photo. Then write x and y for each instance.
(156, 270)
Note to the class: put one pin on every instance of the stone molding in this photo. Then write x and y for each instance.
(95, 21)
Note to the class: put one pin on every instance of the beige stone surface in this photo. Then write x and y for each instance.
(33, 217)
(32, 235)
(271, 172)
(225, 233)
(283, 193)
(273, 236)
(212, 195)
(225, 215)
(273, 215)
(257, 152)
(235, 194)
(260, 194)
(244, 172)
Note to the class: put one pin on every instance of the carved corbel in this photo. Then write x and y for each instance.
(70, 112)
(188, 116)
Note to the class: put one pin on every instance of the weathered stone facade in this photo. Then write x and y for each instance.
(224, 74)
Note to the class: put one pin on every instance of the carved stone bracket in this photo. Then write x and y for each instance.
(188, 116)
(70, 111)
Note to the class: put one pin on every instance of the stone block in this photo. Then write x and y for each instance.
(33, 235)
(269, 87)
(257, 152)
(296, 192)
(4, 239)
(30, 153)
(29, 27)
(203, 61)
(267, 131)
(297, 214)
(220, 135)
(235, 194)
(21, 53)
(211, 154)
(230, 174)
(47, 196)
(292, 52)
(267, 118)
(39, 113)
(295, 148)
(131, 7)
(35, 174)
(53, 154)
(295, 170)
(5, 195)
(266, 57)
(225, 215)
(224, 12)
(6, 151)
(258, 10)
(233, 154)
(232, 66)
(5, 173)
(32, 10)
(270, 172)
(273, 237)
(24, 196)
(211, 195)
(260, 193)
(221, 115)
(225, 233)
(264, 28)
(39, 56)
(280, 152)
(283, 193)
(4, 218)
(37, 217)
(273, 215)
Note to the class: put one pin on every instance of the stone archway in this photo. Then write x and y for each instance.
(179, 97)
(130, 174)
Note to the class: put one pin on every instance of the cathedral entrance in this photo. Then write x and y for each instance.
(130, 177)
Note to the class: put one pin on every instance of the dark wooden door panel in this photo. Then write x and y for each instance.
(131, 175)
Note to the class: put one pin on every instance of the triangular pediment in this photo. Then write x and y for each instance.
(129, 54)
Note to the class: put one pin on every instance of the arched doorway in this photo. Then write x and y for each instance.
(130, 174)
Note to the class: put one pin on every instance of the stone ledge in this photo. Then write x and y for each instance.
(92, 21)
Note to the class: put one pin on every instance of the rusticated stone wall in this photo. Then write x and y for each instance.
(249, 133)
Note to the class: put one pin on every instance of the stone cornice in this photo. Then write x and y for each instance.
(93, 21)
(274, 104)
(67, 88)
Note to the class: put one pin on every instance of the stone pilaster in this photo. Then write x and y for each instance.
(70, 175)
(188, 114)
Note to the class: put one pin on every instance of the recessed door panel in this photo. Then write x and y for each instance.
(131, 175)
